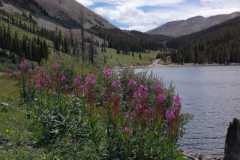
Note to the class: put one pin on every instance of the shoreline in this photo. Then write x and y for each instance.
(193, 156)
(157, 64)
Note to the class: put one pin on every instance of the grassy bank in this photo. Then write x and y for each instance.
(16, 139)
(112, 58)
(9, 87)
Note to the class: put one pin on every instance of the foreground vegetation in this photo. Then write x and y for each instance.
(64, 115)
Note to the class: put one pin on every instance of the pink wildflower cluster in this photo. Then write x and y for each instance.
(177, 101)
(83, 86)
(88, 86)
(62, 78)
(137, 101)
(24, 66)
(137, 110)
(90, 80)
(116, 84)
(77, 81)
(42, 80)
(132, 84)
(56, 66)
(143, 109)
(107, 73)
(141, 93)
(112, 90)
(158, 87)
(161, 98)
(127, 130)
(173, 113)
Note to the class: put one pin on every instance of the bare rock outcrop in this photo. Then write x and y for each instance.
(232, 145)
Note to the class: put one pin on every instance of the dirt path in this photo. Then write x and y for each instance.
(156, 63)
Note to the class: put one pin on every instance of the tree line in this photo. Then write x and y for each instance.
(127, 42)
(219, 44)
(68, 43)
(33, 48)
(28, 24)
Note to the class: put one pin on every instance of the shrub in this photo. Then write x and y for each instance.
(104, 116)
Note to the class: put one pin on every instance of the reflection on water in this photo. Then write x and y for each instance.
(212, 96)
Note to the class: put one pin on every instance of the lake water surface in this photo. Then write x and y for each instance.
(212, 96)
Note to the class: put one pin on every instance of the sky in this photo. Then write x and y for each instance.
(144, 15)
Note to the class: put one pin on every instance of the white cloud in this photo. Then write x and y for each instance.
(129, 12)
(85, 2)
(135, 3)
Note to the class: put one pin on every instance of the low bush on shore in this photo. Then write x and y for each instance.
(106, 115)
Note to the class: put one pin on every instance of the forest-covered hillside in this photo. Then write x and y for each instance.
(218, 44)
(75, 27)
(130, 41)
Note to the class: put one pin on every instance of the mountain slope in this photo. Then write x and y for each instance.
(68, 13)
(134, 41)
(69, 17)
(218, 44)
(66, 16)
(191, 25)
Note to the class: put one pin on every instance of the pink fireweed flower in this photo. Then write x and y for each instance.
(141, 93)
(38, 84)
(55, 66)
(143, 112)
(77, 81)
(116, 84)
(139, 108)
(126, 130)
(143, 109)
(158, 87)
(87, 88)
(177, 101)
(132, 83)
(161, 98)
(90, 80)
(63, 78)
(43, 80)
(107, 73)
(148, 112)
(24, 66)
(177, 105)
(170, 115)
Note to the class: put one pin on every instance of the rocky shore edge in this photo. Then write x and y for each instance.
(158, 63)
(190, 156)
